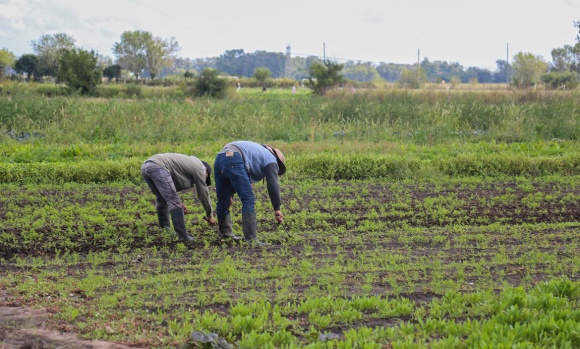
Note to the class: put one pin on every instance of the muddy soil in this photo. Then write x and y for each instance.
(22, 327)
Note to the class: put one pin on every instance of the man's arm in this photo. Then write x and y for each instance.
(274, 190)
(204, 198)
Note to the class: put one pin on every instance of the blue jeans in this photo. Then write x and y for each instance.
(161, 184)
(230, 176)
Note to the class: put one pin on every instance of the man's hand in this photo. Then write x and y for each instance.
(210, 220)
(231, 201)
(279, 216)
(185, 211)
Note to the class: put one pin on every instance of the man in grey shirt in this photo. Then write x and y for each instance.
(169, 173)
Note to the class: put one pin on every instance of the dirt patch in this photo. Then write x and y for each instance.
(25, 328)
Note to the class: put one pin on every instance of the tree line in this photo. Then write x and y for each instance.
(139, 55)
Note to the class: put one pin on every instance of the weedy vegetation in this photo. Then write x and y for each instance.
(413, 219)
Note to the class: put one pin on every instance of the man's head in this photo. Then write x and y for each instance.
(207, 173)
(280, 159)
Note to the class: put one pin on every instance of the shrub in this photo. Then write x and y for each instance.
(209, 84)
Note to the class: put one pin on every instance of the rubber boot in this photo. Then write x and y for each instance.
(163, 217)
(225, 228)
(249, 226)
(178, 220)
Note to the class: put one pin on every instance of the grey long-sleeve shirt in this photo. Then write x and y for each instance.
(186, 172)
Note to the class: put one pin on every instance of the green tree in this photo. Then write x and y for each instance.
(503, 72)
(566, 58)
(78, 70)
(411, 78)
(112, 72)
(527, 69)
(160, 53)
(325, 76)
(390, 71)
(131, 51)
(561, 79)
(231, 62)
(27, 64)
(262, 74)
(210, 84)
(48, 49)
(363, 72)
(7, 59)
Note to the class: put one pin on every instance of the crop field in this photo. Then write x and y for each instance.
(435, 243)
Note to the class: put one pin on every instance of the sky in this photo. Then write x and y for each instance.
(469, 32)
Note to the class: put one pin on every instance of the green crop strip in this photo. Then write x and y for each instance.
(429, 263)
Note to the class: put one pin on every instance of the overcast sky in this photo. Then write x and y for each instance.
(470, 32)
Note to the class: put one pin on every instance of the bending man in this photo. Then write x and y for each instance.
(168, 173)
(237, 166)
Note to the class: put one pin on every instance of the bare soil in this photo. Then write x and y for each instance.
(23, 327)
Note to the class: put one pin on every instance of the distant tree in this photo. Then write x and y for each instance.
(104, 61)
(527, 69)
(274, 61)
(188, 74)
(78, 70)
(299, 66)
(503, 73)
(239, 63)
(160, 53)
(262, 73)
(363, 72)
(410, 78)
(7, 59)
(210, 84)
(561, 79)
(139, 50)
(230, 62)
(28, 64)
(112, 72)
(324, 76)
(566, 58)
(199, 64)
(182, 63)
(442, 70)
(481, 75)
(574, 52)
(390, 71)
(48, 48)
(131, 51)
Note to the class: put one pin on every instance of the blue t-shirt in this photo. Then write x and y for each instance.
(256, 157)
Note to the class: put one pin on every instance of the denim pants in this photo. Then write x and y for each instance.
(230, 175)
(159, 181)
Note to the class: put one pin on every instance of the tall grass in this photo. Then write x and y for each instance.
(419, 117)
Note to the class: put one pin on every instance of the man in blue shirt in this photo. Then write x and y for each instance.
(236, 167)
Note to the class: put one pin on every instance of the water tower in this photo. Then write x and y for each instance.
(287, 62)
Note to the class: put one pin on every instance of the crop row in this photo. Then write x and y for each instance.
(321, 166)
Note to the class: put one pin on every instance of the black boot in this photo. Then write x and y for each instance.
(163, 217)
(249, 226)
(178, 220)
(225, 228)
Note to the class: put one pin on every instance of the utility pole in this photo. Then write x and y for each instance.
(324, 51)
